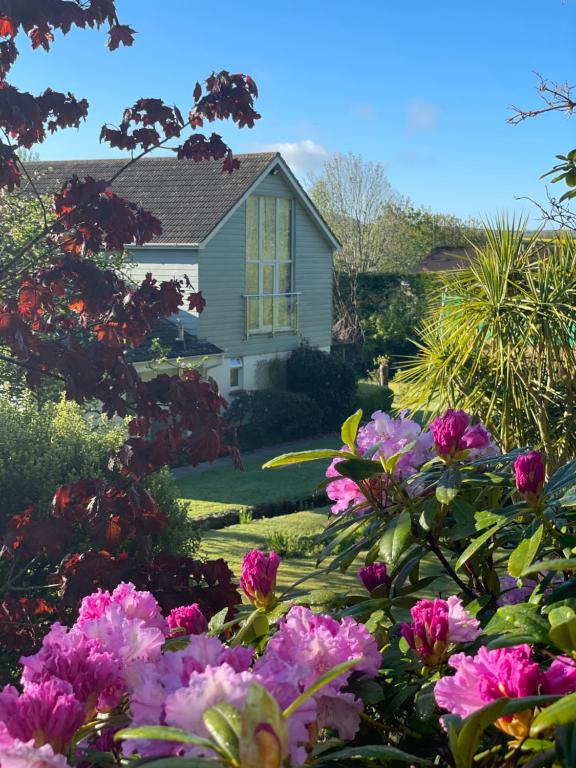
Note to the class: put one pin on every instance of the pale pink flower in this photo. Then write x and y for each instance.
(435, 625)
(22, 754)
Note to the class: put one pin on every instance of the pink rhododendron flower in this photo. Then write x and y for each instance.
(530, 474)
(343, 491)
(94, 674)
(258, 577)
(47, 712)
(135, 604)
(504, 672)
(20, 754)
(373, 576)
(312, 644)
(435, 625)
(455, 438)
(189, 618)
(215, 685)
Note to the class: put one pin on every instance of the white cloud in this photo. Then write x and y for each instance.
(422, 116)
(302, 156)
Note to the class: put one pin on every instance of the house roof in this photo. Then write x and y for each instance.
(167, 333)
(444, 258)
(189, 198)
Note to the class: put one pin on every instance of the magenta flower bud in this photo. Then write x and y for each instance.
(188, 618)
(448, 431)
(373, 576)
(435, 625)
(258, 579)
(530, 473)
(475, 437)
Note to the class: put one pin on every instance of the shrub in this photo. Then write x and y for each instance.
(325, 378)
(182, 537)
(372, 397)
(265, 417)
(293, 544)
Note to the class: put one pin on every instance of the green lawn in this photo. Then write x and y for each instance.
(222, 488)
(233, 542)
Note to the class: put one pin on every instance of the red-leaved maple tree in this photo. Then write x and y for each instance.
(73, 321)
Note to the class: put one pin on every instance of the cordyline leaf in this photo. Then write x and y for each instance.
(332, 674)
(295, 458)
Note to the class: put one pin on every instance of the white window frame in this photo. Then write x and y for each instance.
(276, 263)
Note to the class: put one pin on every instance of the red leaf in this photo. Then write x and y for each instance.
(120, 33)
(7, 27)
(41, 36)
(196, 302)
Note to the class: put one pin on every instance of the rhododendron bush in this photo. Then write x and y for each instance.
(468, 570)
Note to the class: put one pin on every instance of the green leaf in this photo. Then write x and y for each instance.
(350, 429)
(332, 674)
(565, 738)
(223, 724)
(164, 733)
(218, 621)
(520, 619)
(176, 762)
(522, 557)
(560, 564)
(465, 740)
(378, 751)
(448, 485)
(509, 641)
(395, 538)
(563, 628)
(295, 458)
(559, 713)
(359, 469)
(475, 545)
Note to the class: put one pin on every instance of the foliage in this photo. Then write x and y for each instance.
(391, 307)
(372, 397)
(265, 417)
(71, 318)
(500, 654)
(325, 378)
(181, 536)
(502, 340)
(291, 544)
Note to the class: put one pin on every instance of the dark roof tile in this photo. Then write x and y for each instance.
(166, 332)
(189, 198)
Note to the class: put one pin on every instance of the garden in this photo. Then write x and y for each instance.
(399, 590)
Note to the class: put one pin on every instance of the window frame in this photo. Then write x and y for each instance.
(276, 263)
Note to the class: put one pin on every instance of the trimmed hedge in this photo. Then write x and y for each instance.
(326, 379)
(265, 417)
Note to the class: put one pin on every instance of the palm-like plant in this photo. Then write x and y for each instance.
(500, 342)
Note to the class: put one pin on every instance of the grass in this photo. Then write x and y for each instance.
(218, 489)
(233, 542)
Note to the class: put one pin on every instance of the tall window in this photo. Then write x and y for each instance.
(270, 305)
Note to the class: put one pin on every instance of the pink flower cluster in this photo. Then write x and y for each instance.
(436, 625)
(179, 687)
(450, 437)
(78, 672)
(114, 653)
(504, 672)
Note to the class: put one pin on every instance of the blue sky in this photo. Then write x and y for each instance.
(424, 88)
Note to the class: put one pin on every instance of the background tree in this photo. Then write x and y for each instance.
(71, 319)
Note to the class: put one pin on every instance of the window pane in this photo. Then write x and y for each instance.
(284, 229)
(269, 228)
(252, 285)
(268, 278)
(267, 311)
(284, 277)
(253, 313)
(252, 228)
(285, 312)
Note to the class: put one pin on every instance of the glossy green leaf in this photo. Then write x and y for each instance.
(565, 738)
(164, 733)
(295, 458)
(559, 713)
(520, 619)
(395, 538)
(464, 741)
(475, 545)
(560, 564)
(332, 674)
(522, 557)
(563, 628)
(376, 752)
(359, 469)
(448, 485)
(223, 724)
(350, 429)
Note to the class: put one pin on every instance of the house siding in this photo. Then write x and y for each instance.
(167, 264)
(222, 280)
